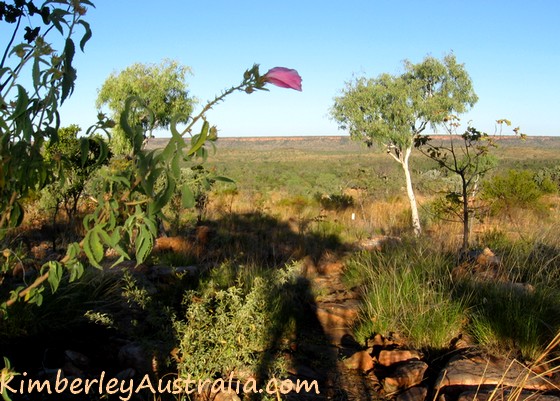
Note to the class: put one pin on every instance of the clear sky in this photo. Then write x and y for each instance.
(511, 50)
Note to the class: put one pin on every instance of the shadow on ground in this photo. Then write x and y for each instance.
(37, 339)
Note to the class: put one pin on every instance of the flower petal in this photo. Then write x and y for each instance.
(284, 78)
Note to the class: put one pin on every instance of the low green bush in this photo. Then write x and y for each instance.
(233, 329)
(548, 178)
(513, 189)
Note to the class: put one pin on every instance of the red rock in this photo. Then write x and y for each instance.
(360, 360)
(413, 394)
(479, 370)
(391, 357)
(406, 375)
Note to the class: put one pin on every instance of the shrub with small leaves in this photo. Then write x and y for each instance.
(548, 179)
(513, 189)
(238, 326)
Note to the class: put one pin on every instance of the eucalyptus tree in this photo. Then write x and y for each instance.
(393, 110)
(160, 87)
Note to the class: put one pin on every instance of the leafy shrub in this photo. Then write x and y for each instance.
(200, 181)
(437, 181)
(100, 181)
(507, 315)
(298, 203)
(76, 160)
(238, 326)
(548, 178)
(514, 189)
(442, 208)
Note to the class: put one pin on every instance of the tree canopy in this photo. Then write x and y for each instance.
(161, 87)
(392, 110)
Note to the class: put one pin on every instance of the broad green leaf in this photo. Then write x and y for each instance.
(36, 73)
(56, 16)
(55, 274)
(93, 247)
(151, 225)
(87, 34)
(150, 181)
(116, 237)
(16, 215)
(176, 135)
(76, 270)
(144, 244)
(176, 166)
(69, 72)
(187, 197)
(84, 150)
(163, 197)
(223, 179)
(105, 238)
(22, 103)
(199, 140)
(119, 179)
(36, 297)
(73, 250)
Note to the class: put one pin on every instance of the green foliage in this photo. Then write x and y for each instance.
(75, 159)
(407, 292)
(191, 192)
(467, 157)
(533, 259)
(130, 201)
(548, 179)
(392, 111)
(160, 87)
(29, 115)
(63, 310)
(238, 321)
(512, 319)
(512, 189)
(127, 202)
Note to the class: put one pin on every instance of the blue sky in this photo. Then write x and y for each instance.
(511, 50)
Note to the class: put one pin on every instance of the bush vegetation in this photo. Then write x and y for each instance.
(243, 303)
(409, 291)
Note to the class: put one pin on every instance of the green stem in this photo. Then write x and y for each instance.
(209, 105)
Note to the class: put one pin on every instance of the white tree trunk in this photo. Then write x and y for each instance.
(410, 192)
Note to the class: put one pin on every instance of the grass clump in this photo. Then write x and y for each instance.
(407, 291)
(519, 312)
(509, 319)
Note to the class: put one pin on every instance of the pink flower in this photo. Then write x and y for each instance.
(284, 78)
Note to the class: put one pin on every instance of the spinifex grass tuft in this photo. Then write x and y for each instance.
(407, 291)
